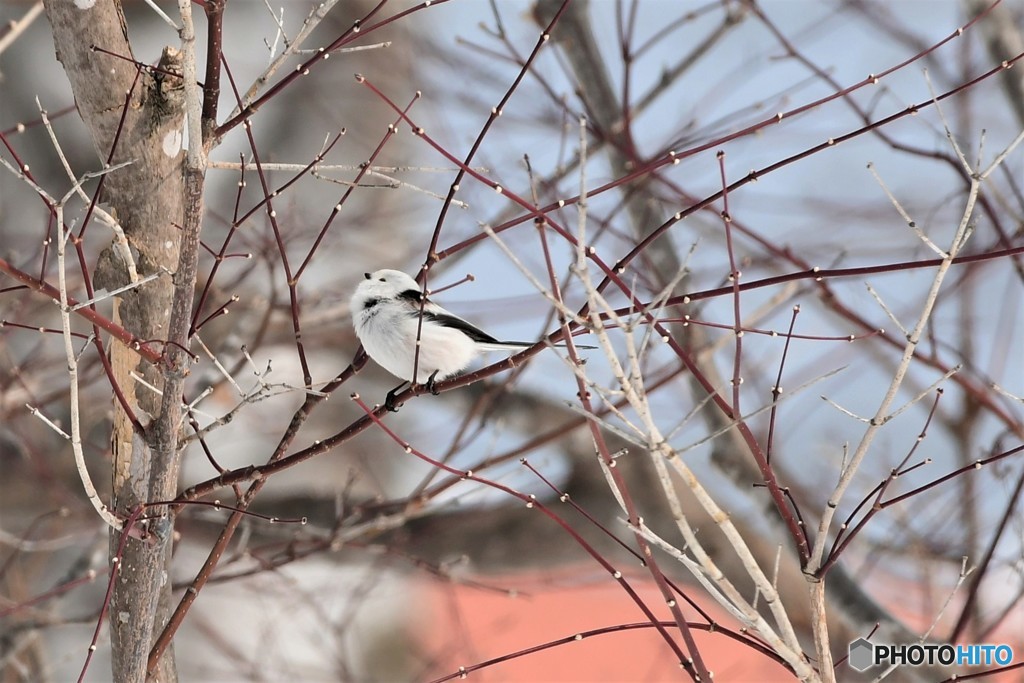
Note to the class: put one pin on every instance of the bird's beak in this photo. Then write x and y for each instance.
(366, 275)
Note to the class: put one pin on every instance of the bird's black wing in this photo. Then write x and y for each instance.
(415, 297)
(469, 329)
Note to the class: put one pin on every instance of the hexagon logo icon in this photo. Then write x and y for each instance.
(862, 654)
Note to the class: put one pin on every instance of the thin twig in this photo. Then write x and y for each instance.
(18, 26)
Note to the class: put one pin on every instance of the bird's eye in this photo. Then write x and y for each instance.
(383, 279)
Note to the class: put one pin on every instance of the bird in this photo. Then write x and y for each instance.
(386, 307)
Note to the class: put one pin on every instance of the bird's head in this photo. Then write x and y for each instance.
(382, 284)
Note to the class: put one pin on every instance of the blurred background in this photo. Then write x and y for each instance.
(406, 572)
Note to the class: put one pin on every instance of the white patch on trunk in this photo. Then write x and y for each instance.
(172, 141)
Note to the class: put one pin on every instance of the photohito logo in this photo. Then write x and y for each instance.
(864, 654)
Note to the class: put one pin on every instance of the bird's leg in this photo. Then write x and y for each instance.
(431, 387)
(389, 400)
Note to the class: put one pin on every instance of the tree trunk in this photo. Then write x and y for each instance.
(133, 117)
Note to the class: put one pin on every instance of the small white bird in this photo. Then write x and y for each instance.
(386, 315)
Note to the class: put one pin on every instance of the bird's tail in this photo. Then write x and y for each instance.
(519, 346)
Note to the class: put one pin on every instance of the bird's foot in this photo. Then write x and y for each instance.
(389, 400)
(431, 385)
